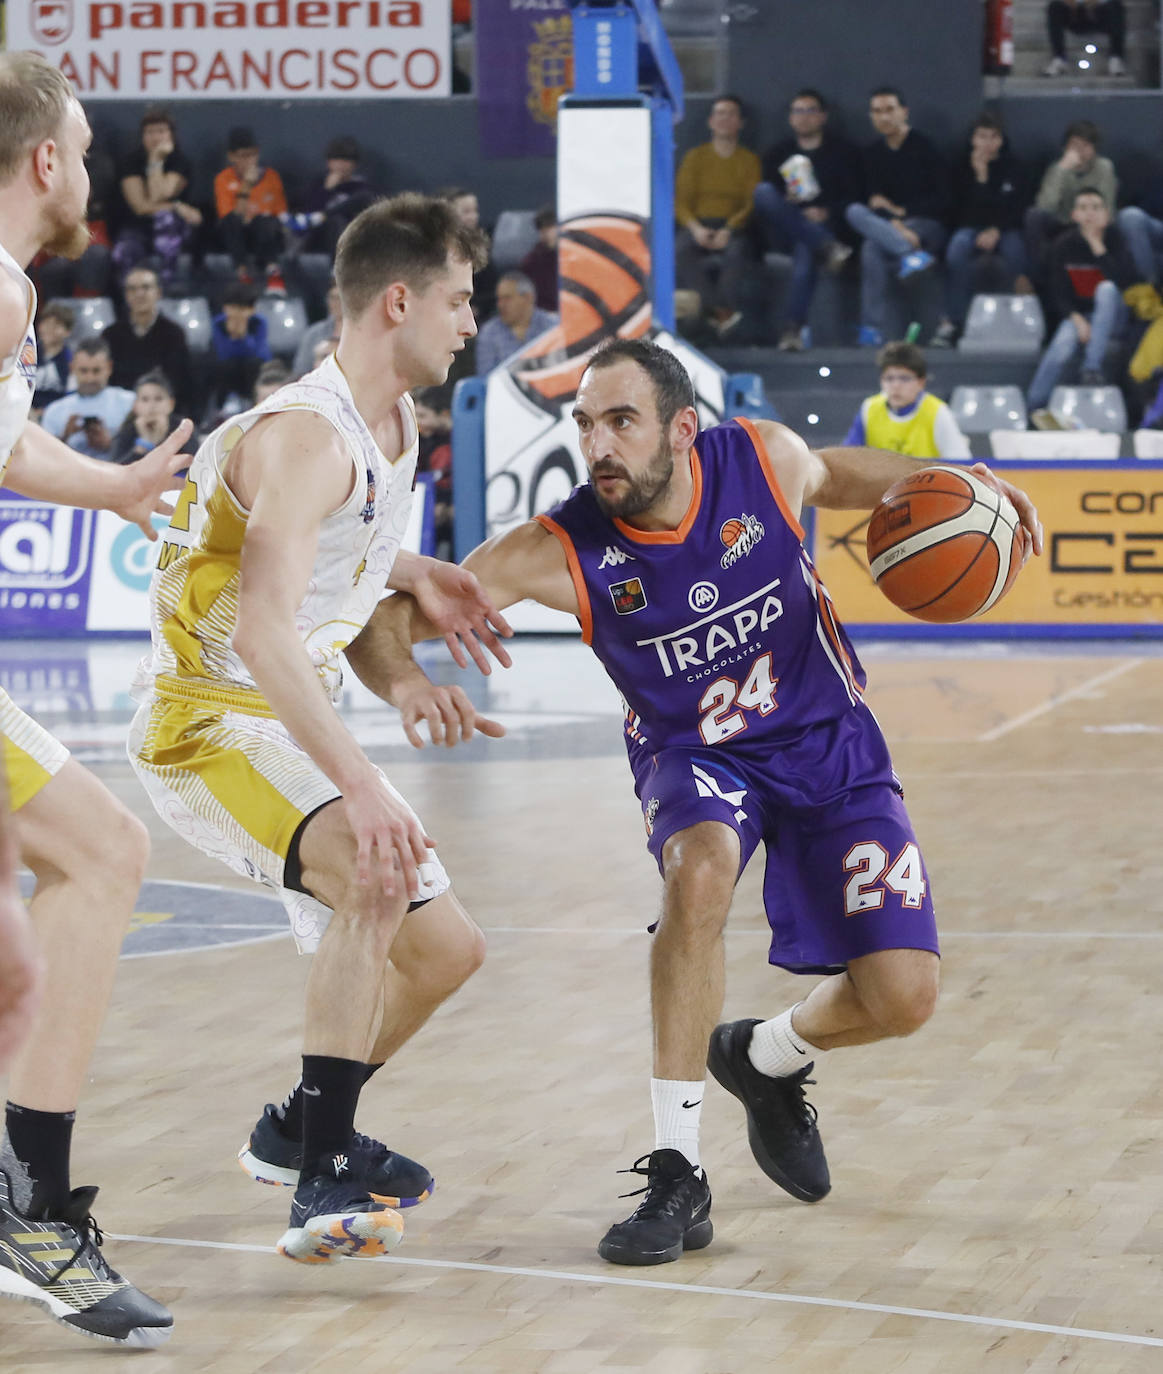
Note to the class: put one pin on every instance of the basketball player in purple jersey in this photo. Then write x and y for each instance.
(683, 560)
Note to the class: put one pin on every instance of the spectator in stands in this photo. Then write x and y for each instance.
(989, 202)
(249, 200)
(906, 182)
(1085, 16)
(240, 345)
(517, 321)
(435, 427)
(151, 420)
(271, 376)
(327, 328)
(53, 355)
(154, 180)
(1090, 268)
(540, 263)
(336, 198)
(809, 180)
(88, 418)
(145, 341)
(1078, 167)
(1142, 227)
(713, 199)
(484, 288)
(903, 416)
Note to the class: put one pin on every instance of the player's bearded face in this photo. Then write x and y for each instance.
(66, 230)
(638, 493)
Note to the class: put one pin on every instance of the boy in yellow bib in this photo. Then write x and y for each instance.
(902, 416)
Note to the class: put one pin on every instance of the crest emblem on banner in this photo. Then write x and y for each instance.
(549, 68)
(51, 20)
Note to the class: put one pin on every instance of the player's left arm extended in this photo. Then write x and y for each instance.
(455, 605)
(47, 470)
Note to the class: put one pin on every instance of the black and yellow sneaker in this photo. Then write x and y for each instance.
(675, 1214)
(391, 1178)
(333, 1215)
(57, 1262)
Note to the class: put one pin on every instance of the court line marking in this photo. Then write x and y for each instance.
(1058, 700)
(708, 1290)
(626, 931)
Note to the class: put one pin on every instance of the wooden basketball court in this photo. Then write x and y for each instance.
(997, 1198)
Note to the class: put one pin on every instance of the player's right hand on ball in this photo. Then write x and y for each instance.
(450, 714)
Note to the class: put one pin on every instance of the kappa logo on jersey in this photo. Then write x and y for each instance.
(615, 556)
(628, 596)
(739, 535)
(703, 596)
(368, 513)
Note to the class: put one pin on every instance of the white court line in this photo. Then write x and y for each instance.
(623, 933)
(203, 949)
(1051, 702)
(754, 1295)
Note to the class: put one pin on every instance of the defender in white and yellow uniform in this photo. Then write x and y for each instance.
(202, 717)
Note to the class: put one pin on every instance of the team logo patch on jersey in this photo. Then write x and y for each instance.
(739, 535)
(368, 513)
(650, 814)
(26, 363)
(628, 596)
(703, 596)
(615, 556)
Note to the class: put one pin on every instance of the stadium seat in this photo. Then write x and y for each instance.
(1091, 407)
(513, 237)
(91, 315)
(193, 314)
(1003, 324)
(286, 318)
(1085, 445)
(980, 409)
(1148, 443)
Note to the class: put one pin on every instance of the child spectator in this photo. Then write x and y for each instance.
(1078, 168)
(240, 345)
(149, 422)
(53, 355)
(903, 417)
(249, 198)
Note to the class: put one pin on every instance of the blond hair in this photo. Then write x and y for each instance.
(34, 97)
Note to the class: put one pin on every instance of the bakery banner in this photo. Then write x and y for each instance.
(1101, 573)
(254, 49)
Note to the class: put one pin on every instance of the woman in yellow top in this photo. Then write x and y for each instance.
(903, 416)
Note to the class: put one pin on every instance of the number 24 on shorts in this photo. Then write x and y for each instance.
(871, 873)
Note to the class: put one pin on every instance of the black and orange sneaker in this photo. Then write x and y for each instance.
(675, 1214)
(332, 1215)
(781, 1122)
(56, 1261)
(393, 1179)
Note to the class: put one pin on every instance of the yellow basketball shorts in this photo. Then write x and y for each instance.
(237, 787)
(31, 755)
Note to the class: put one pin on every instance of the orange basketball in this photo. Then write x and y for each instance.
(730, 531)
(943, 545)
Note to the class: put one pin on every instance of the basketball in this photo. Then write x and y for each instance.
(731, 531)
(943, 545)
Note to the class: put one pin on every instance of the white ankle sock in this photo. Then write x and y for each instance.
(677, 1108)
(777, 1050)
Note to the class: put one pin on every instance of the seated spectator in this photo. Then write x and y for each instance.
(713, 200)
(484, 282)
(88, 418)
(239, 345)
(903, 417)
(53, 355)
(906, 182)
(1085, 16)
(808, 182)
(154, 179)
(540, 263)
(271, 376)
(151, 420)
(516, 323)
(316, 333)
(1142, 227)
(435, 427)
(145, 341)
(989, 202)
(1078, 168)
(335, 199)
(1090, 268)
(249, 199)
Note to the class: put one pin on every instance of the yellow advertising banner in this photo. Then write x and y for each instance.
(1102, 567)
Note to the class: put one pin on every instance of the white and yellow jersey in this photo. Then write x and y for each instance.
(194, 591)
(17, 370)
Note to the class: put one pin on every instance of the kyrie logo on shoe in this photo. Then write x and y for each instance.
(339, 1164)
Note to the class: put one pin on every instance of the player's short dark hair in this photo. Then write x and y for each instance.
(95, 346)
(673, 388)
(1085, 129)
(809, 93)
(905, 355)
(408, 238)
(890, 90)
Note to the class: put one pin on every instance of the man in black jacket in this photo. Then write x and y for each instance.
(990, 194)
(808, 182)
(1090, 268)
(145, 341)
(906, 182)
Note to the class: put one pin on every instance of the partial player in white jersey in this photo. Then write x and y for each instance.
(86, 851)
(284, 540)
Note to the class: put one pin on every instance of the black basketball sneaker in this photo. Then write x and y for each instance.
(781, 1122)
(57, 1262)
(675, 1214)
(332, 1215)
(393, 1179)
